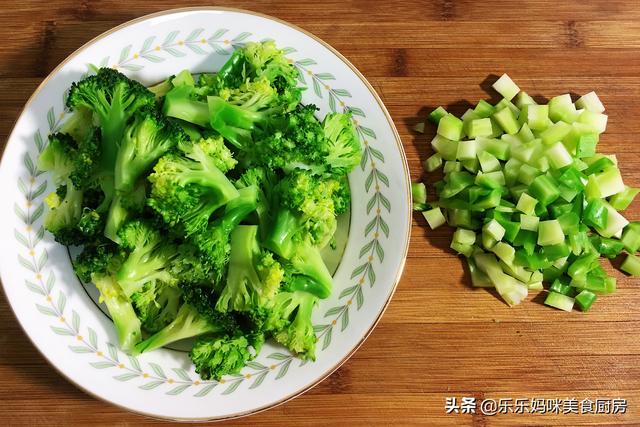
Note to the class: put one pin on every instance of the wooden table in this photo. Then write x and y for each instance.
(439, 338)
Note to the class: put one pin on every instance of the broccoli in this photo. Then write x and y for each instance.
(91, 223)
(300, 144)
(122, 208)
(147, 138)
(193, 267)
(267, 61)
(330, 147)
(156, 304)
(304, 223)
(85, 168)
(182, 103)
(264, 180)
(97, 257)
(187, 189)
(188, 322)
(219, 355)
(161, 89)
(58, 157)
(65, 211)
(290, 322)
(98, 263)
(214, 242)
(79, 124)
(124, 316)
(113, 98)
(343, 145)
(253, 278)
(149, 258)
(237, 114)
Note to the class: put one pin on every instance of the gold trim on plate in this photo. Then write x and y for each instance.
(404, 165)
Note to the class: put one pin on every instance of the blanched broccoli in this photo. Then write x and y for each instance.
(214, 241)
(113, 98)
(189, 322)
(329, 147)
(202, 205)
(265, 181)
(124, 206)
(124, 316)
(149, 258)
(97, 257)
(58, 157)
(290, 321)
(187, 188)
(343, 146)
(65, 211)
(219, 355)
(304, 223)
(148, 137)
(253, 277)
(156, 304)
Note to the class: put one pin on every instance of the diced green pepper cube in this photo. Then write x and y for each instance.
(591, 102)
(585, 299)
(434, 217)
(433, 162)
(484, 109)
(544, 190)
(479, 127)
(450, 127)
(445, 147)
(550, 233)
(506, 87)
(631, 237)
(559, 301)
(437, 114)
(507, 120)
(631, 265)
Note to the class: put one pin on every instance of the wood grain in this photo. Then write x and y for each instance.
(439, 338)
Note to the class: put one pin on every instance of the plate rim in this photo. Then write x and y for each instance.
(407, 179)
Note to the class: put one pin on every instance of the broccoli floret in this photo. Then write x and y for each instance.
(214, 241)
(114, 99)
(269, 62)
(187, 190)
(124, 205)
(161, 89)
(149, 258)
(238, 114)
(304, 223)
(253, 278)
(91, 223)
(147, 138)
(65, 211)
(218, 356)
(265, 181)
(343, 146)
(300, 145)
(182, 103)
(97, 257)
(290, 322)
(86, 161)
(124, 316)
(189, 322)
(157, 304)
(58, 157)
(79, 124)
(193, 267)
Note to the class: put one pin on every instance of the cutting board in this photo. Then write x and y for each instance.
(439, 339)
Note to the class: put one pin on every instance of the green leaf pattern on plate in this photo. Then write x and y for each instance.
(106, 355)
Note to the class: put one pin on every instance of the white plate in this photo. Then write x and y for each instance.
(76, 337)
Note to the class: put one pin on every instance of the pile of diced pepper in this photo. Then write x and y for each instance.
(534, 204)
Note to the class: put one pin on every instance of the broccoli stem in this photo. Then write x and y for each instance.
(124, 316)
(117, 216)
(317, 279)
(178, 104)
(187, 324)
